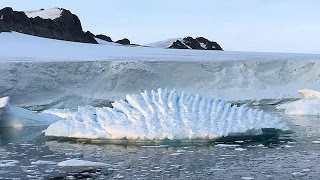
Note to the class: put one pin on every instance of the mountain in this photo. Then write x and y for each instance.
(61, 24)
(55, 23)
(199, 43)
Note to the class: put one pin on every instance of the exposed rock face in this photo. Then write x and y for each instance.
(124, 41)
(200, 43)
(66, 27)
(104, 37)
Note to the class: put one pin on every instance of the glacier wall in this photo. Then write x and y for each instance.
(43, 85)
(164, 115)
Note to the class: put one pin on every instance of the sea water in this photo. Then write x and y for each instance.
(25, 153)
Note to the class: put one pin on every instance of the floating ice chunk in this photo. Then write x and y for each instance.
(163, 114)
(78, 163)
(239, 149)
(8, 163)
(227, 145)
(3, 103)
(247, 178)
(298, 174)
(51, 13)
(41, 162)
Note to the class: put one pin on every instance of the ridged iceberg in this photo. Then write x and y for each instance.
(163, 115)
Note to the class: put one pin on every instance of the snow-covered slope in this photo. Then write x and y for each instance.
(163, 44)
(100, 41)
(37, 49)
(165, 115)
(51, 13)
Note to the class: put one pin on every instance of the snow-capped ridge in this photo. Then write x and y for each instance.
(164, 114)
(189, 42)
(52, 13)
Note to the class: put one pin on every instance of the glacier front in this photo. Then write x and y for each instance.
(163, 114)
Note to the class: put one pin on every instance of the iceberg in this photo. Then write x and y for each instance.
(309, 105)
(3, 103)
(161, 115)
(19, 117)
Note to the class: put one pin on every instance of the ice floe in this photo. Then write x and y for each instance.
(164, 114)
(78, 162)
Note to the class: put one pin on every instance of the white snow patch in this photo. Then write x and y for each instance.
(164, 44)
(203, 45)
(79, 163)
(164, 114)
(51, 13)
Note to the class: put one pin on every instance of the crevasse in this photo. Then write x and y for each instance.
(163, 114)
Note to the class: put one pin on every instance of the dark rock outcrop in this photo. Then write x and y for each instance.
(200, 43)
(104, 37)
(124, 41)
(66, 27)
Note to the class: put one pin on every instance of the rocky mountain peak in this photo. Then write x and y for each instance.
(45, 23)
(199, 43)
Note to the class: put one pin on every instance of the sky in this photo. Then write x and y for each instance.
(237, 25)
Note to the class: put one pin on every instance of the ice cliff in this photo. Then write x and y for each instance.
(163, 114)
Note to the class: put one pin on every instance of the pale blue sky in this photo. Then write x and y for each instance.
(238, 25)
